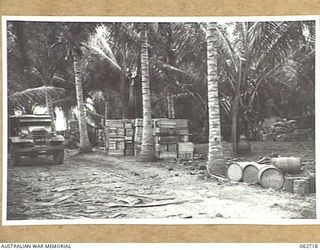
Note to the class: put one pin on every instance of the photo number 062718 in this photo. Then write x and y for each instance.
(159, 120)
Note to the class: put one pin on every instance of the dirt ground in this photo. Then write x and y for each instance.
(100, 187)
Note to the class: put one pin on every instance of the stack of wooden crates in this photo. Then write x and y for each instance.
(128, 138)
(138, 129)
(165, 138)
(185, 148)
(171, 137)
(120, 137)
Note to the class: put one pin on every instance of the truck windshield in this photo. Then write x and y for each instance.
(31, 126)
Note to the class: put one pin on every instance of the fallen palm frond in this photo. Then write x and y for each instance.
(148, 205)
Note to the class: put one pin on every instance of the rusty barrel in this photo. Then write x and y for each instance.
(270, 177)
(235, 170)
(287, 164)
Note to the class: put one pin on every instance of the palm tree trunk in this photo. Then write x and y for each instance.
(216, 162)
(147, 147)
(123, 83)
(171, 61)
(85, 145)
(234, 126)
(131, 102)
(236, 105)
(171, 113)
(106, 128)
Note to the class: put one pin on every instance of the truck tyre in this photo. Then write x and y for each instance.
(14, 157)
(58, 156)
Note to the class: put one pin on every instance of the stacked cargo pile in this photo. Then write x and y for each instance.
(138, 124)
(185, 148)
(120, 137)
(182, 130)
(116, 137)
(165, 138)
(128, 138)
(171, 137)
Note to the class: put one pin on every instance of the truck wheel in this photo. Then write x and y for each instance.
(58, 156)
(14, 157)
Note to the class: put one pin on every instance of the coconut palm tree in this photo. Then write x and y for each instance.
(85, 145)
(216, 162)
(72, 37)
(31, 42)
(116, 45)
(176, 61)
(253, 55)
(147, 147)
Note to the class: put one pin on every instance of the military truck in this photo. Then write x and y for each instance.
(31, 136)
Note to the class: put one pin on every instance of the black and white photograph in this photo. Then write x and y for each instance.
(121, 120)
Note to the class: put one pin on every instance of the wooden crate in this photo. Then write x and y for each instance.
(116, 152)
(112, 145)
(116, 139)
(129, 152)
(185, 146)
(120, 144)
(301, 186)
(115, 123)
(129, 132)
(138, 134)
(116, 143)
(138, 131)
(183, 138)
(137, 152)
(138, 139)
(288, 184)
(167, 139)
(166, 155)
(155, 122)
(138, 122)
(116, 132)
(182, 131)
(161, 147)
(185, 155)
(172, 147)
(163, 131)
(164, 123)
(120, 131)
(129, 145)
(181, 123)
(128, 124)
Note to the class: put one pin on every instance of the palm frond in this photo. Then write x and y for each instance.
(98, 44)
(227, 44)
(34, 95)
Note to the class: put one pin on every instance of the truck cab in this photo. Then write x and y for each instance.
(32, 135)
